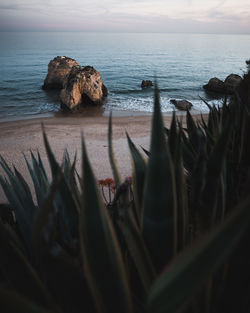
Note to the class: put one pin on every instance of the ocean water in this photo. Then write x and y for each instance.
(182, 63)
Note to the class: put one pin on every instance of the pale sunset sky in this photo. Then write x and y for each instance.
(194, 16)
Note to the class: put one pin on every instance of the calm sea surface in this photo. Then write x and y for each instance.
(181, 62)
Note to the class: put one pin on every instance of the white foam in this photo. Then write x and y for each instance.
(145, 104)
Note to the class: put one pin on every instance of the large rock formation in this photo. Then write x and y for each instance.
(58, 69)
(82, 86)
(232, 82)
(79, 84)
(183, 105)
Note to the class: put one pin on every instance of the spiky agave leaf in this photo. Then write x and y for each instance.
(178, 284)
(197, 180)
(176, 148)
(57, 259)
(11, 301)
(214, 170)
(139, 173)
(188, 151)
(20, 188)
(160, 205)
(192, 131)
(38, 176)
(19, 199)
(69, 170)
(138, 251)
(64, 201)
(181, 194)
(207, 104)
(101, 255)
(172, 136)
(19, 272)
(44, 217)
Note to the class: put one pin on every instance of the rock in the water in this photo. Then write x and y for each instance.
(83, 86)
(232, 82)
(183, 105)
(146, 83)
(215, 85)
(58, 69)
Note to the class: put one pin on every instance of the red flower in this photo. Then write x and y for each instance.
(101, 182)
(108, 182)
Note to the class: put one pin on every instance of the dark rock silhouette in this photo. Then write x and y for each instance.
(215, 85)
(232, 82)
(182, 105)
(146, 83)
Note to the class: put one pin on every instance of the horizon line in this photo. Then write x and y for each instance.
(123, 32)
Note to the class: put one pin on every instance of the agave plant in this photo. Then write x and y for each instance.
(173, 246)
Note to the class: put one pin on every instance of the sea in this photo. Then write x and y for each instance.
(181, 64)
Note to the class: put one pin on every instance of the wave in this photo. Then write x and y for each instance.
(8, 89)
(145, 104)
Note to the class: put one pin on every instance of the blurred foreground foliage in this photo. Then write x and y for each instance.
(175, 239)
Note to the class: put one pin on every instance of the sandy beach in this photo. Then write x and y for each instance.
(22, 136)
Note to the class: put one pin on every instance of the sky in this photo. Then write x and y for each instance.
(194, 16)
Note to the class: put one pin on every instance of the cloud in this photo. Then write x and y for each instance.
(8, 7)
(129, 15)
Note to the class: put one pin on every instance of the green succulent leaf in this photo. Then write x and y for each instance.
(160, 205)
(66, 281)
(172, 136)
(192, 131)
(15, 265)
(138, 251)
(22, 213)
(139, 172)
(214, 170)
(41, 165)
(42, 217)
(173, 290)
(13, 302)
(64, 201)
(52, 161)
(20, 190)
(28, 200)
(181, 194)
(101, 255)
(40, 185)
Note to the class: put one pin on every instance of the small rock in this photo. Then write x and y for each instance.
(182, 105)
(232, 82)
(215, 85)
(146, 83)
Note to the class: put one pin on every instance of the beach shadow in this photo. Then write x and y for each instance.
(88, 111)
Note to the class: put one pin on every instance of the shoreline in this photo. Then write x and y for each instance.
(90, 112)
(22, 136)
